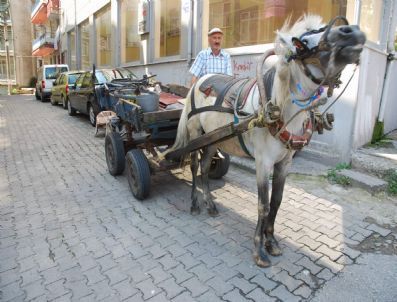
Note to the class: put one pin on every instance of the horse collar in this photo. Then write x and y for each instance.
(292, 141)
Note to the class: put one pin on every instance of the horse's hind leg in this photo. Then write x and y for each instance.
(194, 164)
(205, 164)
(279, 177)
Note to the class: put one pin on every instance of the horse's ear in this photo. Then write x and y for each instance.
(285, 41)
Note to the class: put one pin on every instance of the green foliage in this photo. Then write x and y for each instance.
(378, 134)
(339, 179)
(32, 82)
(391, 178)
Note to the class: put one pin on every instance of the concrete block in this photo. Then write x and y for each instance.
(364, 181)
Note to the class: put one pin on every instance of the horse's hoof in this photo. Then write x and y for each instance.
(262, 260)
(273, 249)
(213, 212)
(195, 211)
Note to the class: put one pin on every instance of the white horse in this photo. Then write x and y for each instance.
(310, 55)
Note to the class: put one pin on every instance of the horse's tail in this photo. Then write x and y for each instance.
(182, 136)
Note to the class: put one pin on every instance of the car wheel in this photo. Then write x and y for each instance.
(64, 102)
(53, 102)
(71, 110)
(92, 115)
(114, 152)
(219, 166)
(138, 173)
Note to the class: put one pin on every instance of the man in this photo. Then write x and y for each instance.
(213, 59)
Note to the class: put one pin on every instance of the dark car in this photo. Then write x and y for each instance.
(85, 95)
(60, 88)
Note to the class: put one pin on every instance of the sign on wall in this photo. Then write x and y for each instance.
(143, 17)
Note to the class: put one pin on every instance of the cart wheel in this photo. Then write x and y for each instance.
(219, 166)
(114, 150)
(138, 173)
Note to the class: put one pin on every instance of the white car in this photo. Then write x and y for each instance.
(46, 75)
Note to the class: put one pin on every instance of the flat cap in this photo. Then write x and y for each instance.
(215, 30)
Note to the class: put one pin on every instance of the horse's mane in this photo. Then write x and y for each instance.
(284, 48)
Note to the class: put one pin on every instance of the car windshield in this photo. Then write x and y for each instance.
(108, 75)
(51, 73)
(73, 77)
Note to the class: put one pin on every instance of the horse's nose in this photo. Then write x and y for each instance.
(346, 29)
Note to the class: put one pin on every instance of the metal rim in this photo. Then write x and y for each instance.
(92, 115)
(132, 178)
(110, 154)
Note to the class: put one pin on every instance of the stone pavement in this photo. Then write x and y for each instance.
(69, 231)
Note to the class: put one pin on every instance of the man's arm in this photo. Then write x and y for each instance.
(197, 67)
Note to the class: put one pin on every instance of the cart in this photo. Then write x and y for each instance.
(140, 131)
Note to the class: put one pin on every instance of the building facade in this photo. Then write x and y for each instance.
(163, 37)
(15, 37)
(46, 32)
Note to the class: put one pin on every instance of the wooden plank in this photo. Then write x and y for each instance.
(155, 116)
(210, 138)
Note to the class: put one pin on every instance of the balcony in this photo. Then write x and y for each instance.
(39, 12)
(43, 45)
(53, 9)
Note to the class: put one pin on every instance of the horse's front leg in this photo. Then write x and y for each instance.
(279, 176)
(262, 178)
(205, 164)
(194, 164)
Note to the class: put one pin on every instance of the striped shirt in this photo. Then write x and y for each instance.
(206, 62)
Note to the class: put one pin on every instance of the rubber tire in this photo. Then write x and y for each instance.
(219, 167)
(138, 173)
(91, 114)
(64, 102)
(52, 102)
(71, 110)
(115, 154)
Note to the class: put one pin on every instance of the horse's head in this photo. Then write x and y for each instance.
(322, 50)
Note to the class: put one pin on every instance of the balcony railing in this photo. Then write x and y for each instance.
(39, 12)
(53, 9)
(43, 45)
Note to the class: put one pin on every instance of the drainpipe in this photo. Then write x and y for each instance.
(390, 59)
(190, 34)
(357, 12)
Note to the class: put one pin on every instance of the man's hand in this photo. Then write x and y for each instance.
(194, 80)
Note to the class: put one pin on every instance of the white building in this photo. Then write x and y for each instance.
(163, 37)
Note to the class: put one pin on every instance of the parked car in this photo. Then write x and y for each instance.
(46, 75)
(60, 88)
(84, 95)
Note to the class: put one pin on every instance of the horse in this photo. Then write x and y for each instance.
(311, 56)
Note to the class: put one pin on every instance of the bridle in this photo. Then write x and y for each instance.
(303, 56)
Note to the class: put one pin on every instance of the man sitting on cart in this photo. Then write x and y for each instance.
(213, 59)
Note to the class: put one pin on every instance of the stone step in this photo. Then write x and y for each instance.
(367, 182)
(377, 161)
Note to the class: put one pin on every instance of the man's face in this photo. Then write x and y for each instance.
(215, 41)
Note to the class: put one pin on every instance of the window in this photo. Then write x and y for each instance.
(371, 10)
(72, 41)
(168, 28)
(85, 45)
(130, 40)
(250, 22)
(103, 28)
(73, 77)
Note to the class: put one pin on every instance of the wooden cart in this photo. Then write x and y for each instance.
(135, 138)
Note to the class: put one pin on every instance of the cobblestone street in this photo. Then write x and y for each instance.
(71, 231)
